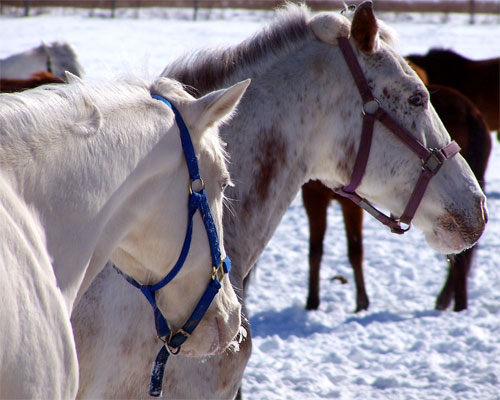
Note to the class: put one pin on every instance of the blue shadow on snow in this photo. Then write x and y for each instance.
(294, 321)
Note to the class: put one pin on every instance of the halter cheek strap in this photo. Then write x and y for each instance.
(432, 159)
(197, 201)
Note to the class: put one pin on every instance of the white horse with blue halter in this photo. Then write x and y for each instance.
(197, 201)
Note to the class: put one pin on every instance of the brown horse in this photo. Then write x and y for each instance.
(37, 79)
(477, 80)
(467, 126)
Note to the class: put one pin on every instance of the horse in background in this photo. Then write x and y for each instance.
(466, 125)
(55, 58)
(37, 348)
(142, 213)
(478, 80)
(299, 120)
(37, 79)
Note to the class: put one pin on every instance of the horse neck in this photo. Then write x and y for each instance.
(273, 143)
(76, 200)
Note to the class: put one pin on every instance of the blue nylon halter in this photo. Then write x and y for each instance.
(197, 201)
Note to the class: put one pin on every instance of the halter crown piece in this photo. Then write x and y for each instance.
(197, 201)
(432, 159)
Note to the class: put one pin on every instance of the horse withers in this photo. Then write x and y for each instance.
(300, 119)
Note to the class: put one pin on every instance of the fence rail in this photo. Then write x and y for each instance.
(465, 6)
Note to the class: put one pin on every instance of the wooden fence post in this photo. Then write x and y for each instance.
(472, 10)
(195, 14)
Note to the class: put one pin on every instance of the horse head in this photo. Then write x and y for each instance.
(452, 211)
(149, 252)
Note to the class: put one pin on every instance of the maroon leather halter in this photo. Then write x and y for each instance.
(432, 159)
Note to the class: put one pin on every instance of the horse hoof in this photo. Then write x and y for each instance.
(312, 304)
(362, 306)
(443, 302)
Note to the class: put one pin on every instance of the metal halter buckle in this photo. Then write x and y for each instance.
(218, 272)
(433, 163)
(202, 185)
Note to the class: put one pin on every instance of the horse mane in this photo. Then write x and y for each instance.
(205, 70)
(387, 34)
(56, 113)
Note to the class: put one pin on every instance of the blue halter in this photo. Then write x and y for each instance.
(197, 201)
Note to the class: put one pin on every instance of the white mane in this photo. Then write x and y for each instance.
(57, 115)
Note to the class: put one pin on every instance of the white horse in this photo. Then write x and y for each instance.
(301, 119)
(37, 348)
(103, 167)
(56, 58)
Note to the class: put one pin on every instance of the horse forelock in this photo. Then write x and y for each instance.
(208, 69)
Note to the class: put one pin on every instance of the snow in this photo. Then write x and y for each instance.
(401, 348)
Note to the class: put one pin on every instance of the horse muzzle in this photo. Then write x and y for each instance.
(456, 230)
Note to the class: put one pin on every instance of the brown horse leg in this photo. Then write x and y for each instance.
(443, 300)
(461, 264)
(468, 128)
(316, 198)
(456, 283)
(353, 220)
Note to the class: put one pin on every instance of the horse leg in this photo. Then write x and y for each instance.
(461, 263)
(456, 283)
(443, 300)
(316, 198)
(468, 128)
(353, 220)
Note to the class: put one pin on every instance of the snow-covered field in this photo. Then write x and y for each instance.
(401, 348)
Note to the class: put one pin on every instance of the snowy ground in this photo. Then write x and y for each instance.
(401, 348)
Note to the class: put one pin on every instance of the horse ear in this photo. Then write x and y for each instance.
(72, 78)
(219, 105)
(364, 27)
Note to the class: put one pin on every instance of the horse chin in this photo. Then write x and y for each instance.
(213, 336)
(444, 242)
(450, 235)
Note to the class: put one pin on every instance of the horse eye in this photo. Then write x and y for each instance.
(417, 100)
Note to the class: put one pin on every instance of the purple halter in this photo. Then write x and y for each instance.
(432, 159)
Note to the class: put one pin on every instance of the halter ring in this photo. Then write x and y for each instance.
(202, 184)
(369, 111)
(171, 351)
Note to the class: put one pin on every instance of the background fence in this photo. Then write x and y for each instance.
(447, 6)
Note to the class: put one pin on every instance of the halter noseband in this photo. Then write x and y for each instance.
(197, 201)
(432, 159)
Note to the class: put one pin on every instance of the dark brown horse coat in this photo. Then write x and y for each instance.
(478, 80)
